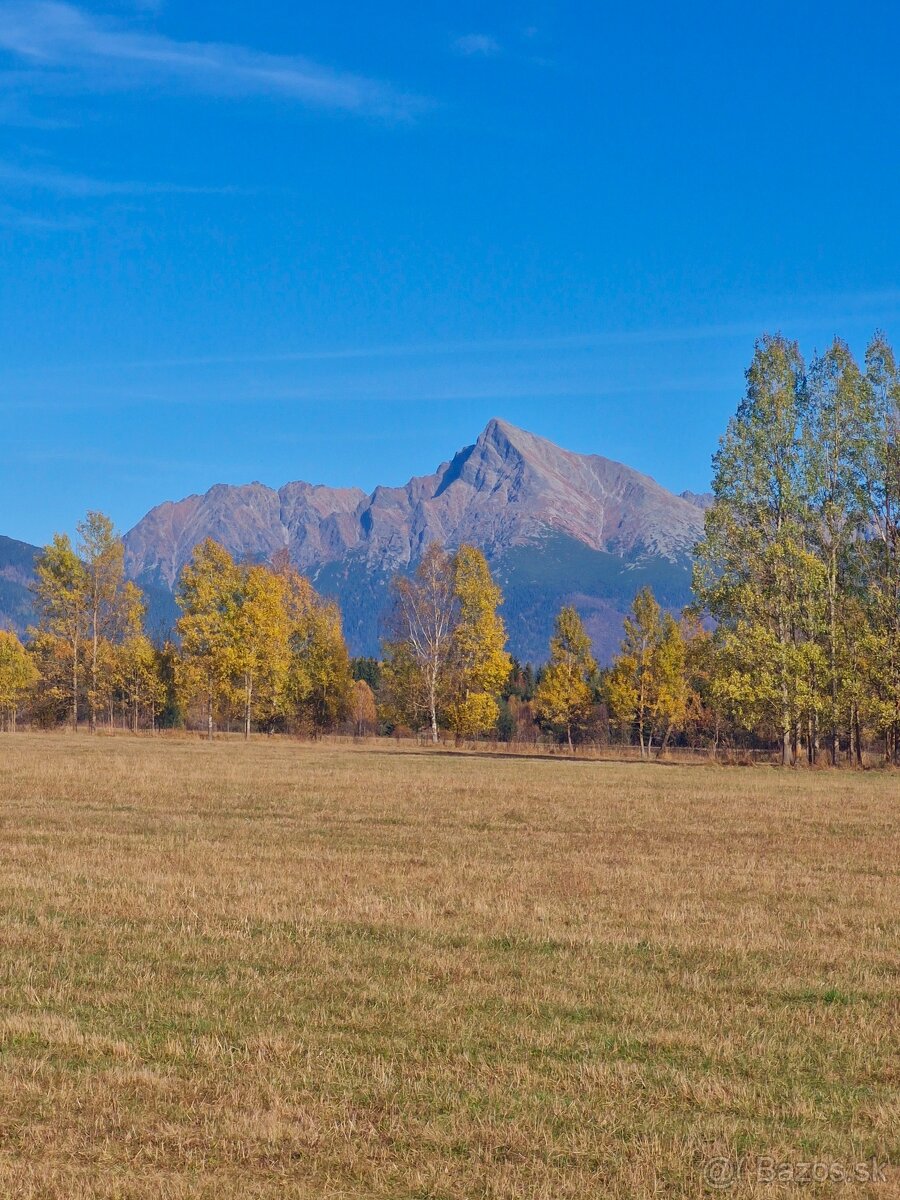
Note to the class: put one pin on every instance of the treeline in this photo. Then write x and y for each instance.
(254, 647)
(793, 640)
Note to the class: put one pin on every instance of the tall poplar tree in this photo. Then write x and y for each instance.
(838, 429)
(753, 569)
(882, 547)
(321, 679)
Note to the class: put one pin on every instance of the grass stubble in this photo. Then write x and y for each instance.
(278, 970)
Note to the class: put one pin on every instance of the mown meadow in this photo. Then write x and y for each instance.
(274, 969)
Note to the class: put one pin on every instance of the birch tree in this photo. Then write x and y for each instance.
(103, 563)
(426, 612)
(61, 600)
(562, 699)
(647, 687)
(258, 637)
(206, 595)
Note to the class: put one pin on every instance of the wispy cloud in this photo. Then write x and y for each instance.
(575, 363)
(836, 310)
(47, 179)
(475, 45)
(572, 343)
(60, 38)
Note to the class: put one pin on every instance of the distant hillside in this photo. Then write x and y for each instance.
(16, 573)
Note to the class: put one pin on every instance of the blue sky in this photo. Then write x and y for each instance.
(328, 242)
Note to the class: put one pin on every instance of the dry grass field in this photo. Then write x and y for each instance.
(279, 970)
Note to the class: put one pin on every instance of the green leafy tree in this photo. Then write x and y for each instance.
(881, 550)
(753, 570)
(838, 427)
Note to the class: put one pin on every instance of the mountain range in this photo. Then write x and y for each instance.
(557, 527)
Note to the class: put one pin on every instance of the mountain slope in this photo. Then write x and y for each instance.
(556, 526)
(16, 574)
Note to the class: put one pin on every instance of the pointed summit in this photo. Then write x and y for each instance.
(498, 430)
(504, 437)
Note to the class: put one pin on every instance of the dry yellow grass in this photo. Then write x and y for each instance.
(290, 971)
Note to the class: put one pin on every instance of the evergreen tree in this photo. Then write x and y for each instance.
(368, 669)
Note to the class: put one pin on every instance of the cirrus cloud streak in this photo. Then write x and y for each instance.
(67, 44)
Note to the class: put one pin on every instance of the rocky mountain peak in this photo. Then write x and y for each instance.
(557, 527)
